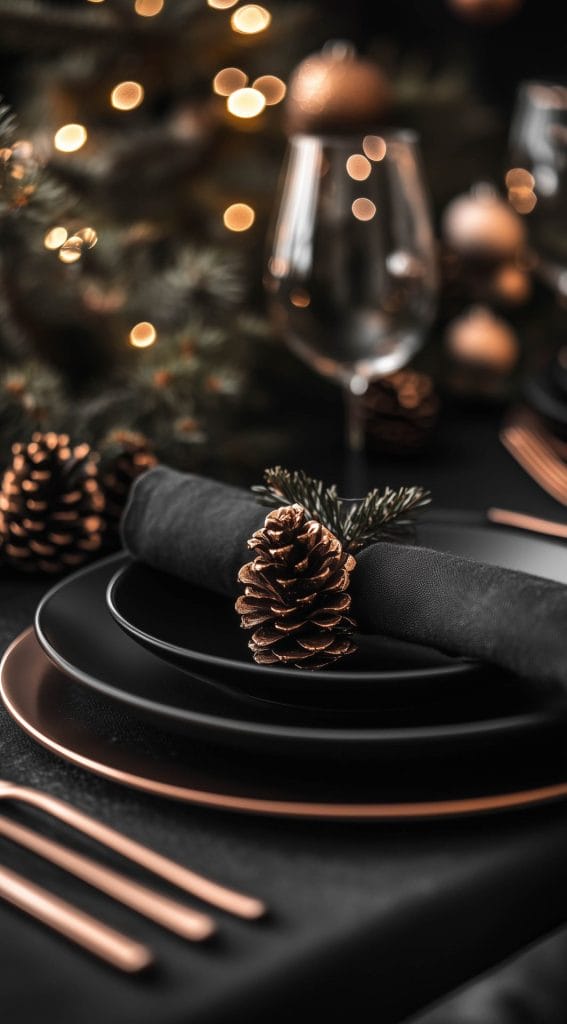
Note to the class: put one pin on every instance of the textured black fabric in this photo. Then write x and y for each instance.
(529, 989)
(197, 529)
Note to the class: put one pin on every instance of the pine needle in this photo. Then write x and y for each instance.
(379, 516)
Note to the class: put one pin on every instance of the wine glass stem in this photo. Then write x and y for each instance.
(354, 425)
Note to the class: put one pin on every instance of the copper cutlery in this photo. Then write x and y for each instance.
(527, 442)
(239, 904)
(189, 924)
(99, 939)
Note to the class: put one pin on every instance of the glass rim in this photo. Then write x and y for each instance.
(407, 135)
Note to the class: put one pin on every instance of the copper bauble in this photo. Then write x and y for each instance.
(481, 339)
(485, 11)
(481, 223)
(336, 90)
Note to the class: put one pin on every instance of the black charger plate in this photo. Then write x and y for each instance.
(78, 633)
(199, 630)
(76, 724)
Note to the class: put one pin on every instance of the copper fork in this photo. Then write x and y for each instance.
(184, 921)
(86, 931)
(529, 446)
(233, 902)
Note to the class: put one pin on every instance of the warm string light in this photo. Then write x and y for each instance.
(250, 19)
(246, 103)
(363, 209)
(374, 147)
(238, 217)
(228, 81)
(521, 184)
(143, 335)
(271, 87)
(55, 238)
(358, 167)
(127, 95)
(148, 8)
(300, 298)
(70, 247)
(70, 137)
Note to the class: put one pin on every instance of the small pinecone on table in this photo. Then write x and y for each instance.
(295, 597)
(126, 454)
(399, 413)
(50, 505)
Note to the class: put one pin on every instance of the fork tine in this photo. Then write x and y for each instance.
(184, 921)
(233, 902)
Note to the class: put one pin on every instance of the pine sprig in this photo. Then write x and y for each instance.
(378, 516)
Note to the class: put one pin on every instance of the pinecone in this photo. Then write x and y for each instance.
(399, 413)
(50, 505)
(126, 454)
(295, 596)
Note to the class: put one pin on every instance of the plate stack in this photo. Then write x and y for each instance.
(140, 677)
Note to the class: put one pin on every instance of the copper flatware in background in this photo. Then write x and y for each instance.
(189, 924)
(521, 521)
(104, 942)
(526, 441)
(211, 892)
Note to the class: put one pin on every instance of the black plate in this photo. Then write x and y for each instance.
(200, 631)
(78, 633)
(76, 724)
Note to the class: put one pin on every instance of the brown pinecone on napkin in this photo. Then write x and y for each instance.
(295, 596)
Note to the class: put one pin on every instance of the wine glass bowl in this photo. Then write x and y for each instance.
(537, 179)
(351, 278)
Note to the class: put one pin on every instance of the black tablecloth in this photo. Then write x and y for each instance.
(366, 918)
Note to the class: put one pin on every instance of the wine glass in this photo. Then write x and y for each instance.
(537, 179)
(351, 278)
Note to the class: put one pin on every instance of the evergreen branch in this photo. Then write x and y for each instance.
(357, 524)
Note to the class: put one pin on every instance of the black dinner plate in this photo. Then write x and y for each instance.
(80, 636)
(200, 631)
(78, 725)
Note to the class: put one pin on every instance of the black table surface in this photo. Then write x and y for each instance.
(365, 918)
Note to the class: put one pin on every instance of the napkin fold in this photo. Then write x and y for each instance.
(197, 529)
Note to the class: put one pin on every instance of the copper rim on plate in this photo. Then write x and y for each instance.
(26, 697)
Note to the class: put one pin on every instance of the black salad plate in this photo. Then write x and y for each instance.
(200, 631)
(80, 636)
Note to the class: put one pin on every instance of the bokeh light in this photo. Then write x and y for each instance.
(127, 95)
(300, 298)
(518, 177)
(71, 250)
(238, 217)
(148, 8)
(250, 19)
(143, 335)
(522, 199)
(221, 5)
(363, 209)
(374, 147)
(88, 236)
(70, 137)
(246, 103)
(228, 81)
(55, 238)
(358, 167)
(272, 89)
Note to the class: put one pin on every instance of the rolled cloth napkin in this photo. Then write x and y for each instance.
(197, 529)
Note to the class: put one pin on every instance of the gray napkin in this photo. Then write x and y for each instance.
(197, 529)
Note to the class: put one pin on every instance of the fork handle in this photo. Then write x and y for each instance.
(104, 942)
